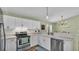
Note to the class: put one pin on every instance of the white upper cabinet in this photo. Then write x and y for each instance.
(27, 23)
(35, 24)
(31, 24)
(18, 22)
(9, 22)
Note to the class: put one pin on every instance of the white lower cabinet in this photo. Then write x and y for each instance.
(11, 44)
(44, 42)
(33, 40)
(68, 45)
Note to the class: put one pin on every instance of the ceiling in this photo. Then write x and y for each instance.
(39, 13)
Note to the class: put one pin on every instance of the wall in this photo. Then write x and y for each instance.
(55, 28)
(70, 25)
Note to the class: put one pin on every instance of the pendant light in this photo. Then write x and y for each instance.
(47, 13)
(47, 19)
(62, 21)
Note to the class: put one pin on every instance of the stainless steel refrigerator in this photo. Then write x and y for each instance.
(2, 33)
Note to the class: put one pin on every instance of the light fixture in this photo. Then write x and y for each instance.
(61, 17)
(47, 17)
(62, 21)
(47, 13)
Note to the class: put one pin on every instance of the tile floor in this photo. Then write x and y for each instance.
(37, 48)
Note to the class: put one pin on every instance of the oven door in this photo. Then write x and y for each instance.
(23, 42)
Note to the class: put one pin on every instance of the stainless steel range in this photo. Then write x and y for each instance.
(23, 40)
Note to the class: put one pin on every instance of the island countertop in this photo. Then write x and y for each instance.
(57, 37)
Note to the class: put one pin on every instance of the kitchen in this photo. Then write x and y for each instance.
(34, 29)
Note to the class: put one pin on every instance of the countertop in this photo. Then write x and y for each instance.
(10, 37)
(61, 36)
(57, 37)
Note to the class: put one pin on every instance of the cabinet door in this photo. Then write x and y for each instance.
(35, 24)
(44, 42)
(18, 22)
(68, 45)
(31, 24)
(9, 22)
(34, 40)
(27, 23)
(11, 44)
(41, 41)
